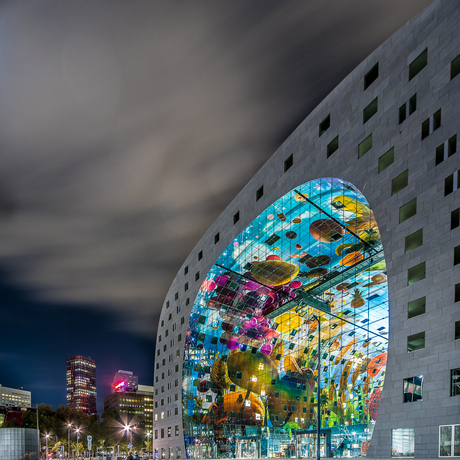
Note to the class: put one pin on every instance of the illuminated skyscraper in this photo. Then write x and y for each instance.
(81, 384)
(124, 381)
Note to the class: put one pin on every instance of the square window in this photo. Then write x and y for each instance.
(288, 162)
(371, 76)
(414, 240)
(167, 304)
(386, 159)
(236, 217)
(186, 303)
(416, 273)
(416, 342)
(200, 255)
(197, 276)
(186, 287)
(413, 389)
(408, 210)
(216, 238)
(416, 307)
(455, 67)
(455, 382)
(399, 182)
(325, 125)
(365, 146)
(370, 110)
(260, 193)
(418, 64)
(332, 146)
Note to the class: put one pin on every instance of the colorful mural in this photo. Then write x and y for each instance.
(301, 291)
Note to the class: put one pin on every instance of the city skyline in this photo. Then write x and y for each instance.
(122, 145)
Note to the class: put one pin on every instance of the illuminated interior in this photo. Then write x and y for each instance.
(301, 293)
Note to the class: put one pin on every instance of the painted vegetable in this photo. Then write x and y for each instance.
(376, 364)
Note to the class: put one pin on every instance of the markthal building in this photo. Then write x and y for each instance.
(320, 313)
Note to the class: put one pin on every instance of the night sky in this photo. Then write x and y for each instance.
(125, 130)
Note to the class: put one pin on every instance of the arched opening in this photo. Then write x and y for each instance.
(298, 299)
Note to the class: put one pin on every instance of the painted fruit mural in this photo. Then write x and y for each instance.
(302, 289)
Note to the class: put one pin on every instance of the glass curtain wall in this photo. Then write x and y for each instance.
(295, 307)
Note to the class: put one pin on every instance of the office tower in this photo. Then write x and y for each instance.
(81, 384)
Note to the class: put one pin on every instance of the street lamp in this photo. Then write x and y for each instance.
(46, 437)
(68, 439)
(78, 432)
(130, 429)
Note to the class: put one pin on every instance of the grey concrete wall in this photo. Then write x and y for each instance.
(437, 29)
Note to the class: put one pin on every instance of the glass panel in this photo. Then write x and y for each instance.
(416, 342)
(418, 64)
(445, 441)
(416, 307)
(455, 382)
(413, 389)
(297, 304)
(386, 159)
(365, 146)
(457, 441)
(402, 442)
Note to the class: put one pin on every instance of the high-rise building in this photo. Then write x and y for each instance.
(124, 381)
(81, 384)
(321, 310)
(15, 397)
(132, 401)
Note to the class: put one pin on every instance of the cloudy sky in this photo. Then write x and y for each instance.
(125, 130)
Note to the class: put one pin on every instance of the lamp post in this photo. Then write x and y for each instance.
(129, 429)
(318, 388)
(46, 438)
(78, 432)
(68, 440)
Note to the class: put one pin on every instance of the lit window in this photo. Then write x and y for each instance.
(402, 442)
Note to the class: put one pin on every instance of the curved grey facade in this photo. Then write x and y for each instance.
(392, 134)
(18, 443)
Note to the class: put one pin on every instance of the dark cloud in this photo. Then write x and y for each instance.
(127, 127)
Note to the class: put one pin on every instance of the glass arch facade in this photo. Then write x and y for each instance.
(298, 299)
